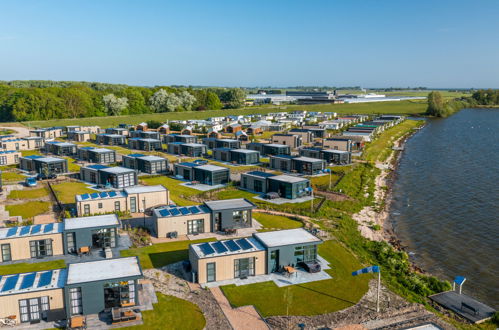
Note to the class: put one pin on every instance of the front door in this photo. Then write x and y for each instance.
(133, 204)
(274, 259)
(244, 267)
(218, 221)
(30, 309)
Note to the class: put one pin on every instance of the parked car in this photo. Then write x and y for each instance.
(31, 181)
(311, 266)
(46, 176)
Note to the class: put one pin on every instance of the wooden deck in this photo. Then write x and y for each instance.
(461, 303)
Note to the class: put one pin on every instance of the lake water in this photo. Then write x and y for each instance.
(446, 200)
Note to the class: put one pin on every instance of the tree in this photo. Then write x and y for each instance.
(115, 105)
(212, 101)
(162, 101)
(186, 100)
(76, 101)
(436, 106)
(233, 98)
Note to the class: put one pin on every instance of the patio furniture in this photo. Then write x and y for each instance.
(311, 266)
(290, 271)
(84, 250)
(230, 231)
(9, 321)
(120, 315)
(77, 322)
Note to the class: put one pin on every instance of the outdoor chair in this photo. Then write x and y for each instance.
(77, 322)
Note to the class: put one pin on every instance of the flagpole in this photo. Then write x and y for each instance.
(379, 287)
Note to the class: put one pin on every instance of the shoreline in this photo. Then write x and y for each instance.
(370, 216)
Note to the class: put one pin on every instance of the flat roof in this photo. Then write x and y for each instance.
(226, 204)
(336, 151)
(260, 174)
(28, 231)
(32, 282)
(152, 158)
(91, 222)
(212, 167)
(144, 189)
(286, 237)
(49, 159)
(244, 151)
(275, 145)
(117, 170)
(288, 178)
(227, 247)
(112, 135)
(193, 144)
(108, 269)
(309, 159)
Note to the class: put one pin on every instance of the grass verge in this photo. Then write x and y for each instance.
(29, 209)
(276, 222)
(31, 267)
(67, 191)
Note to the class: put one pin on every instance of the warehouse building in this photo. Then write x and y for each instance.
(145, 144)
(263, 253)
(205, 174)
(130, 199)
(146, 164)
(97, 155)
(42, 165)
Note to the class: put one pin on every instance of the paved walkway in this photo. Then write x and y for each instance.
(242, 318)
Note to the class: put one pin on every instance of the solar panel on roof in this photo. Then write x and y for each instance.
(244, 244)
(103, 194)
(112, 194)
(48, 228)
(174, 212)
(10, 283)
(206, 248)
(85, 196)
(25, 230)
(184, 210)
(28, 281)
(45, 279)
(12, 231)
(36, 229)
(219, 247)
(194, 210)
(94, 195)
(232, 246)
(164, 213)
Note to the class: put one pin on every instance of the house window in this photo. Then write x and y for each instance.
(40, 248)
(244, 267)
(195, 226)
(133, 204)
(70, 241)
(211, 272)
(240, 216)
(76, 305)
(3, 160)
(6, 254)
(306, 253)
(100, 205)
(86, 209)
(117, 206)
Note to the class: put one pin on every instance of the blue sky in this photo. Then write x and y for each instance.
(257, 43)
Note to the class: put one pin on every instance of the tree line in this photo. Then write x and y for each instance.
(439, 107)
(44, 100)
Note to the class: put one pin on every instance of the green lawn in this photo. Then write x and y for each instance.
(72, 167)
(178, 193)
(172, 313)
(25, 153)
(67, 191)
(30, 193)
(340, 292)
(380, 148)
(276, 222)
(28, 209)
(12, 177)
(25, 267)
(159, 255)
(403, 107)
(322, 182)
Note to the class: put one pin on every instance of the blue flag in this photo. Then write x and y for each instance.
(372, 269)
